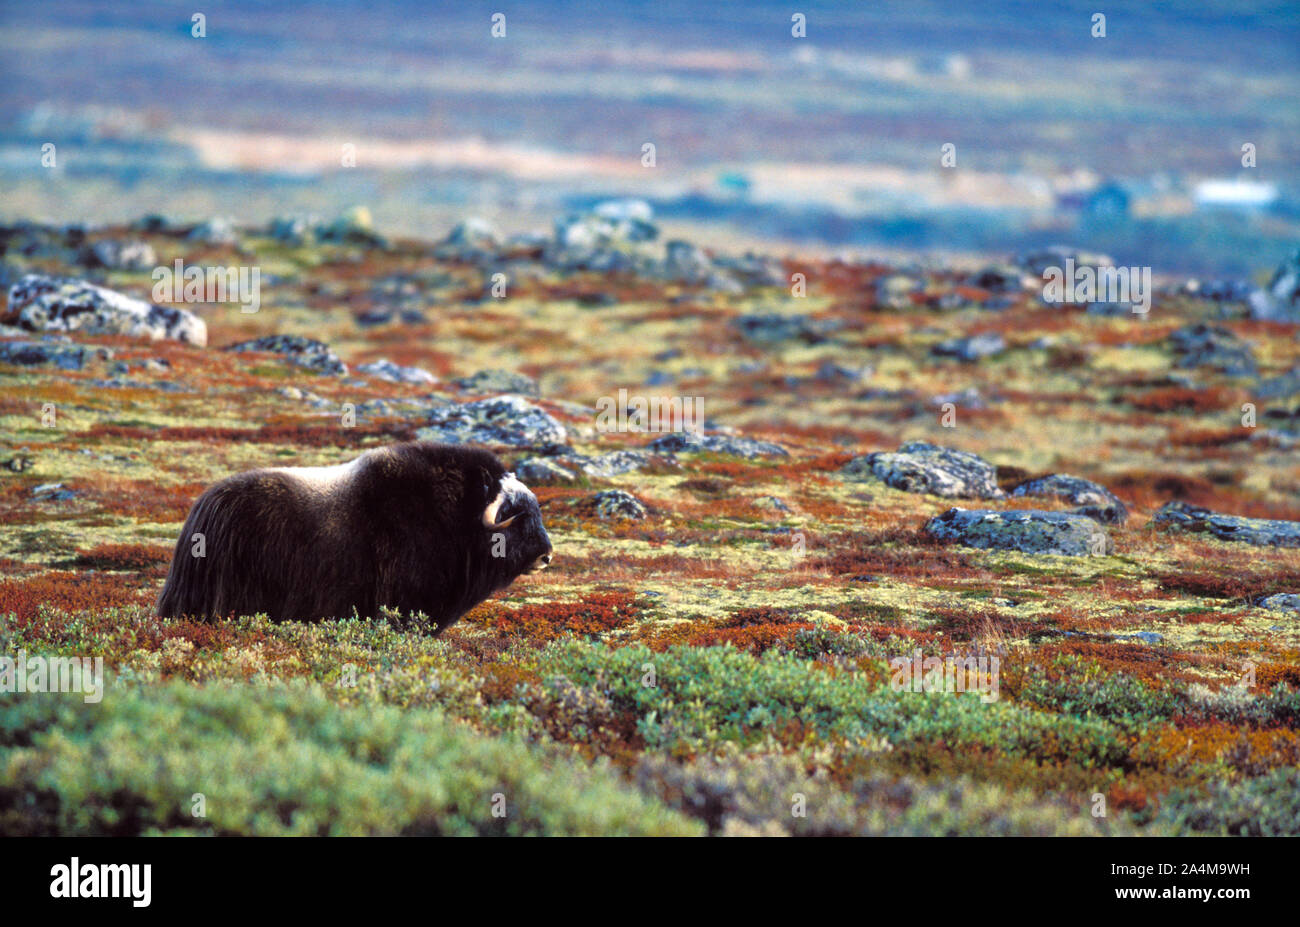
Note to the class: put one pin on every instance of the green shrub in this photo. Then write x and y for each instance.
(1267, 806)
(285, 760)
(705, 696)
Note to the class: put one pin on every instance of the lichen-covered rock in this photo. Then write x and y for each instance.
(215, 231)
(474, 238)
(1282, 602)
(314, 355)
(691, 442)
(354, 227)
(501, 420)
(59, 353)
(606, 238)
(921, 467)
(1037, 262)
(291, 230)
(1094, 500)
(895, 291)
(615, 503)
(1280, 300)
(1028, 531)
(775, 328)
(121, 255)
(1261, 532)
(64, 304)
(384, 369)
(973, 348)
(542, 471)
(500, 381)
(1212, 346)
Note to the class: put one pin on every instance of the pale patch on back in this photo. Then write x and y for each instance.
(321, 479)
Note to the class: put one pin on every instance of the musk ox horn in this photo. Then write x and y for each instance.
(490, 513)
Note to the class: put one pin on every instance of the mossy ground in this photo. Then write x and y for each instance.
(767, 633)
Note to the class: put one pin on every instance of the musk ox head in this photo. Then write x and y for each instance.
(514, 519)
(417, 527)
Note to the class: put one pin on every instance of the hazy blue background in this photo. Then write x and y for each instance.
(831, 141)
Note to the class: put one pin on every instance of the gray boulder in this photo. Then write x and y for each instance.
(1280, 300)
(59, 353)
(384, 369)
(690, 442)
(1212, 346)
(774, 328)
(972, 348)
(314, 355)
(215, 231)
(927, 468)
(617, 504)
(541, 471)
(1282, 602)
(474, 238)
(501, 420)
(1261, 532)
(1028, 531)
(1095, 501)
(499, 381)
(63, 304)
(895, 291)
(121, 255)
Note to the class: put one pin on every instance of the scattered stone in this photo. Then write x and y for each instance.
(927, 468)
(501, 420)
(1028, 531)
(215, 231)
(1261, 532)
(500, 381)
(121, 255)
(354, 227)
(1220, 291)
(774, 328)
(753, 270)
(1037, 262)
(60, 353)
(1146, 637)
(773, 503)
(314, 355)
(615, 503)
(474, 239)
(1094, 500)
(1212, 346)
(832, 372)
(604, 238)
(998, 278)
(1280, 387)
(53, 492)
(64, 304)
(895, 291)
(1282, 602)
(542, 471)
(689, 442)
(686, 261)
(291, 230)
(972, 348)
(385, 369)
(1280, 300)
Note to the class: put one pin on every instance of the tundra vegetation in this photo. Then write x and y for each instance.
(709, 652)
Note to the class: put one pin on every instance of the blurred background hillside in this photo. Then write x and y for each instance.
(1130, 143)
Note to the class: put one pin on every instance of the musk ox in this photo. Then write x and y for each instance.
(415, 527)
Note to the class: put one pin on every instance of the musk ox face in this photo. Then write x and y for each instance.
(515, 520)
(417, 527)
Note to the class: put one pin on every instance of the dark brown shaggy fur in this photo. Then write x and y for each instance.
(403, 530)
